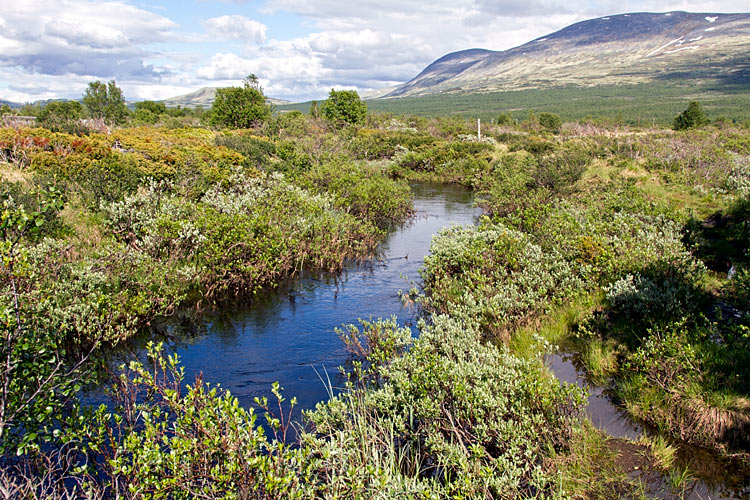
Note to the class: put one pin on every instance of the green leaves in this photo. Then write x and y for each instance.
(239, 107)
(344, 107)
(105, 101)
(692, 117)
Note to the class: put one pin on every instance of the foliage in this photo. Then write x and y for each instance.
(62, 116)
(39, 374)
(105, 101)
(239, 107)
(344, 107)
(157, 108)
(504, 119)
(653, 104)
(257, 151)
(550, 121)
(692, 117)
(362, 192)
(160, 442)
(497, 273)
(452, 416)
(158, 219)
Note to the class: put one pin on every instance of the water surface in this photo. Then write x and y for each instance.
(288, 334)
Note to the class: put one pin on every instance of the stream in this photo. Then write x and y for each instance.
(288, 335)
(715, 477)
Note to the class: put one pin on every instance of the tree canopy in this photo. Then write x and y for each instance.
(240, 107)
(105, 100)
(693, 116)
(344, 106)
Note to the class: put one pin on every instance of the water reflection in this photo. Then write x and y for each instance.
(716, 477)
(288, 334)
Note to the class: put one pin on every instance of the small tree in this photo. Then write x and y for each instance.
(315, 109)
(157, 108)
(692, 117)
(104, 100)
(240, 107)
(61, 110)
(550, 121)
(344, 106)
(504, 119)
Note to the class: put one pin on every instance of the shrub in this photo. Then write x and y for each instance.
(452, 416)
(692, 117)
(364, 193)
(497, 273)
(550, 121)
(176, 444)
(240, 107)
(256, 150)
(105, 101)
(504, 119)
(344, 107)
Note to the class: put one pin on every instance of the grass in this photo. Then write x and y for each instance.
(600, 359)
(592, 468)
(646, 104)
(661, 450)
(555, 328)
(679, 480)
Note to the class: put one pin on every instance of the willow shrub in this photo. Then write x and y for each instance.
(450, 418)
(363, 192)
(242, 235)
(164, 439)
(497, 273)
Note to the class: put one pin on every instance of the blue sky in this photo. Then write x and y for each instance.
(300, 49)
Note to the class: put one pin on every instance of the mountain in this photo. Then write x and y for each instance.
(621, 49)
(204, 97)
(13, 105)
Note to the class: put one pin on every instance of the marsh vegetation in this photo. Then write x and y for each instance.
(629, 246)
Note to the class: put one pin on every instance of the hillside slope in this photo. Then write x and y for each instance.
(204, 98)
(622, 49)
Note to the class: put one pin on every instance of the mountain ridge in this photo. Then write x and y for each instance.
(623, 48)
(204, 97)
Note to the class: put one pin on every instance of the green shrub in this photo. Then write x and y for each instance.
(692, 117)
(550, 121)
(256, 150)
(468, 419)
(364, 193)
(504, 119)
(160, 441)
(497, 273)
(344, 107)
(239, 107)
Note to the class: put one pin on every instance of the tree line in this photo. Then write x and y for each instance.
(233, 107)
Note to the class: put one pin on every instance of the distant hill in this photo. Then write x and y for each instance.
(12, 104)
(623, 49)
(204, 97)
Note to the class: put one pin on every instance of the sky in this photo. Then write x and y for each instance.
(299, 49)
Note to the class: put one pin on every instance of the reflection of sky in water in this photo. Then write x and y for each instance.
(289, 334)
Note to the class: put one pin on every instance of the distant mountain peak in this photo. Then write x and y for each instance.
(617, 49)
(204, 97)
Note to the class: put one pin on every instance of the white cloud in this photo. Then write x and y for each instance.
(80, 37)
(60, 45)
(236, 28)
(313, 64)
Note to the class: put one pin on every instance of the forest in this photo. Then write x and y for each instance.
(627, 246)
